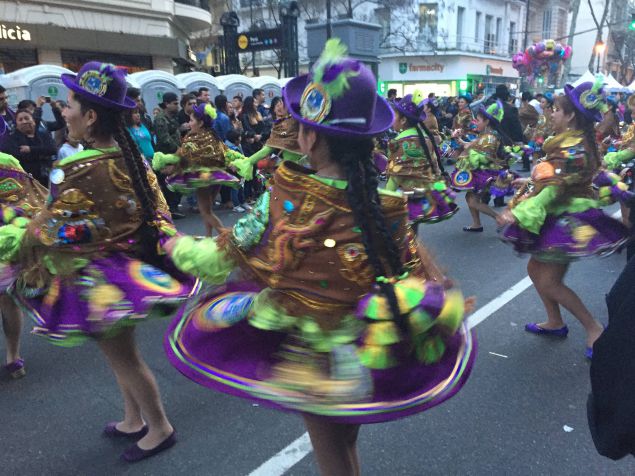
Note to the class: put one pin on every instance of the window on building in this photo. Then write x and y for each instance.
(14, 59)
(74, 60)
(460, 15)
(499, 25)
(383, 18)
(477, 27)
(490, 40)
(513, 41)
(428, 14)
(546, 23)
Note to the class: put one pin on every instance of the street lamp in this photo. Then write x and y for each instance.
(599, 51)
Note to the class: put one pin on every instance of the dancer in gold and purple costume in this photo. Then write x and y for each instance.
(200, 165)
(414, 166)
(90, 264)
(21, 197)
(555, 216)
(324, 303)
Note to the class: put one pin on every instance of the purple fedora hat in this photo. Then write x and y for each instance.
(101, 83)
(588, 98)
(411, 106)
(338, 97)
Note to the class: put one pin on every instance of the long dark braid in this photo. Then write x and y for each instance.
(437, 152)
(355, 156)
(110, 124)
(149, 234)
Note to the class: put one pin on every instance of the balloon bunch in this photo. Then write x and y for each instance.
(542, 58)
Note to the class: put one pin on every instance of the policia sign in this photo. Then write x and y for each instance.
(259, 40)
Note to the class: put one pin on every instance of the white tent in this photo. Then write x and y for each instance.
(587, 77)
(613, 86)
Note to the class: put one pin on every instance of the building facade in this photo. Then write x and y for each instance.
(140, 35)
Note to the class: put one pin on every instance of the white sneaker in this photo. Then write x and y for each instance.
(239, 209)
(246, 206)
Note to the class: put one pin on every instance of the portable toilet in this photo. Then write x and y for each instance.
(270, 85)
(153, 85)
(189, 82)
(235, 85)
(35, 81)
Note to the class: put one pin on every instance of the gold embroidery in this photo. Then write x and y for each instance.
(355, 262)
(119, 178)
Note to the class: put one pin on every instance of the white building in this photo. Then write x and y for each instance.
(144, 34)
(442, 46)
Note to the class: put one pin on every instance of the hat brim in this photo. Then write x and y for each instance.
(407, 114)
(380, 122)
(590, 115)
(70, 81)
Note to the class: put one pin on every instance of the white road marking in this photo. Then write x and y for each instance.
(495, 304)
(285, 459)
(498, 355)
(298, 449)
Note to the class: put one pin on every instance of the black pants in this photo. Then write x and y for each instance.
(172, 198)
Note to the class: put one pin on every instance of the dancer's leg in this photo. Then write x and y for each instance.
(205, 197)
(124, 358)
(335, 446)
(554, 316)
(12, 326)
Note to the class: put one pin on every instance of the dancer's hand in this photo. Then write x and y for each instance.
(469, 305)
(505, 218)
(170, 244)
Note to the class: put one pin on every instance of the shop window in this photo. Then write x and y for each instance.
(74, 60)
(12, 60)
(428, 16)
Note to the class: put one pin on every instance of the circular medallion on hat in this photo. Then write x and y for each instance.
(153, 279)
(223, 311)
(57, 176)
(94, 82)
(462, 178)
(315, 103)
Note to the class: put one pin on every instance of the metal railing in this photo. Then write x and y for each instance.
(204, 4)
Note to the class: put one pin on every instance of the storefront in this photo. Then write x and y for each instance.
(70, 48)
(445, 75)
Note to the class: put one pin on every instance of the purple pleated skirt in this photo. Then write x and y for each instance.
(474, 180)
(192, 180)
(107, 294)
(569, 236)
(433, 206)
(215, 345)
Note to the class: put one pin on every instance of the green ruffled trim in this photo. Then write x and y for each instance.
(232, 155)
(407, 133)
(161, 160)
(477, 159)
(266, 315)
(244, 167)
(203, 259)
(11, 237)
(63, 265)
(614, 160)
(248, 231)
(8, 161)
(531, 213)
(295, 157)
(86, 154)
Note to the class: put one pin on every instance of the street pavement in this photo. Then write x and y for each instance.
(522, 411)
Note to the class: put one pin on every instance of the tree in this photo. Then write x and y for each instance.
(599, 25)
(575, 9)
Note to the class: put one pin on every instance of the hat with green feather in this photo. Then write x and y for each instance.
(339, 96)
(589, 98)
(494, 112)
(411, 106)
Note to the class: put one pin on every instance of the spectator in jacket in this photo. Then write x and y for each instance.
(252, 121)
(222, 123)
(36, 111)
(7, 117)
(188, 101)
(34, 148)
(259, 100)
(168, 140)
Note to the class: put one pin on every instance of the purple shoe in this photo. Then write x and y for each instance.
(112, 431)
(16, 369)
(134, 453)
(534, 328)
(588, 353)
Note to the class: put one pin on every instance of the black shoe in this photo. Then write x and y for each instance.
(499, 202)
(177, 215)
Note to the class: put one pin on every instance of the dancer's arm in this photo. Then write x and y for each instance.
(201, 258)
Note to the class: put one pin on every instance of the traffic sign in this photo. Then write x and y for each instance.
(259, 40)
